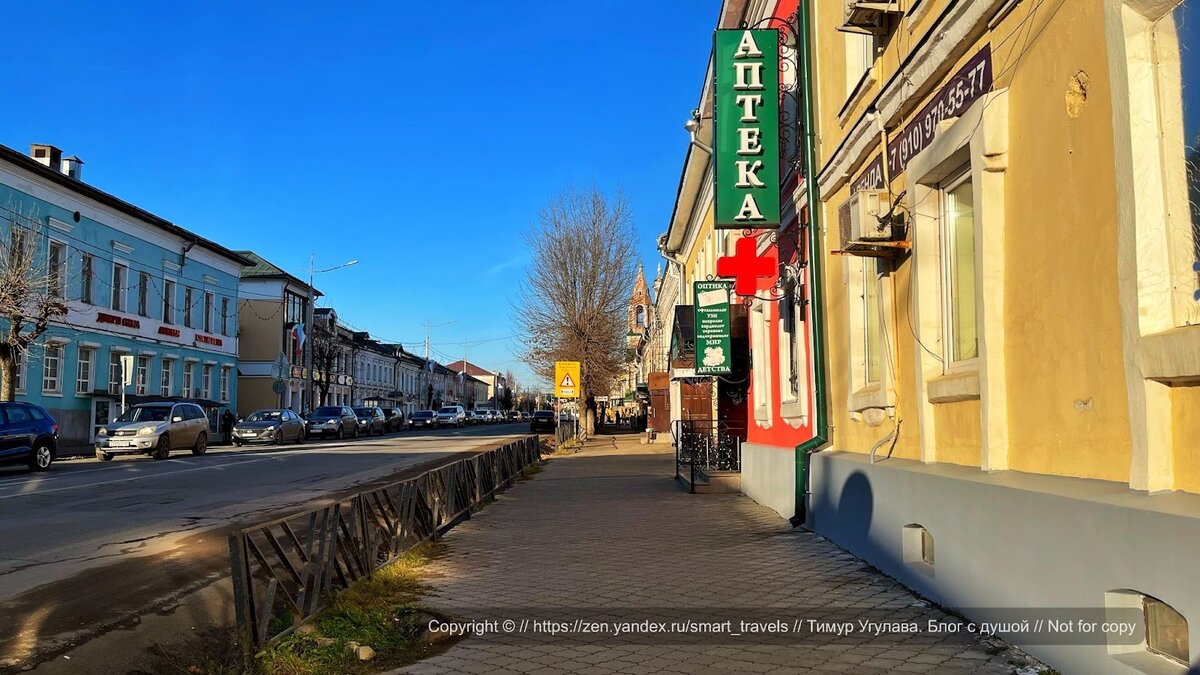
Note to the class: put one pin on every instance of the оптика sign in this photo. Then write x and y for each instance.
(713, 348)
(746, 128)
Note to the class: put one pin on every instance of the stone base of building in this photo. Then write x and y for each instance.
(769, 477)
(1016, 540)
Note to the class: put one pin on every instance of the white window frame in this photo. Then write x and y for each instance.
(225, 316)
(83, 381)
(115, 375)
(87, 278)
(52, 353)
(957, 179)
(168, 301)
(761, 367)
(189, 298)
(58, 274)
(166, 376)
(864, 394)
(189, 379)
(206, 373)
(141, 379)
(119, 288)
(22, 375)
(224, 389)
(143, 300)
(793, 357)
(209, 307)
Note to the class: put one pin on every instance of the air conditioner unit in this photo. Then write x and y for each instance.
(869, 219)
(869, 17)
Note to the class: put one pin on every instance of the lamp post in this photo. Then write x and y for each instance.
(308, 325)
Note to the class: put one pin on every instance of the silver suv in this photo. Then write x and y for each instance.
(451, 416)
(154, 429)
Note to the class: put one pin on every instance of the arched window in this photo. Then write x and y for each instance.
(641, 316)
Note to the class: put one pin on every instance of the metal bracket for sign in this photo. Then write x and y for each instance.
(791, 150)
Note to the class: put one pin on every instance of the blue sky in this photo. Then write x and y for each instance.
(421, 142)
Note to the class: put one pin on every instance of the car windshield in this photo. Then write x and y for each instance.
(157, 413)
(328, 412)
(423, 413)
(265, 416)
(448, 411)
(544, 413)
(364, 412)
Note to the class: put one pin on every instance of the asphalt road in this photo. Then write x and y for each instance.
(88, 545)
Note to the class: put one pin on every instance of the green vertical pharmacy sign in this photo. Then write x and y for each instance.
(746, 128)
(713, 353)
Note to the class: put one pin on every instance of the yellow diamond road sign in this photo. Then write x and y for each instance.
(566, 379)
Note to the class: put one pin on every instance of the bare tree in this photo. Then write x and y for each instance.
(325, 351)
(573, 304)
(31, 293)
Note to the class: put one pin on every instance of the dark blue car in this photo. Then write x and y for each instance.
(28, 435)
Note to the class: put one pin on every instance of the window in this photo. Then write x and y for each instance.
(793, 350)
(187, 307)
(224, 385)
(207, 321)
(168, 301)
(58, 268)
(1166, 630)
(143, 375)
(187, 380)
(165, 379)
(22, 361)
(87, 265)
(83, 373)
(960, 331)
(1160, 643)
(143, 308)
(120, 280)
(114, 372)
(16, 413)
(641, 316)
(860, 57)
(224, 316)
(52, 369)
(761, 363)
(206, 382)
(872, 322)
(916, 545)
(296, 305)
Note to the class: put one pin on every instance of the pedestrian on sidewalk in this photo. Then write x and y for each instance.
(227, 422)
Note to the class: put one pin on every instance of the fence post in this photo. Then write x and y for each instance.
(242, 595)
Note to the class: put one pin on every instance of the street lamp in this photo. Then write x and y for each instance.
(308, 324)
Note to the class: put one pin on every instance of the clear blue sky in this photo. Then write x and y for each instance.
(421, 142)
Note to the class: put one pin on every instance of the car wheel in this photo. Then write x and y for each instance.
(341, 432)
(237, 444)
(41, 458)
(104, 456)
(201, 445)
(299, 437)
(163, 449)
(278, 438)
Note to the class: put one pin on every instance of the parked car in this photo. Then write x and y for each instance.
(512, 415)
(422, 418)
(522, 416)
(395, 419)
(154, 429)
(28, 435)
(542, 419)
(371, 421)
(338, 421)
(451, 416)
(269, 426)
(477, 417)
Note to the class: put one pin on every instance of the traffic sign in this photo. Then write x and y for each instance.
(566, 379)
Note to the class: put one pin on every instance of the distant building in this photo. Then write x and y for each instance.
(134, 285)
(496, 383)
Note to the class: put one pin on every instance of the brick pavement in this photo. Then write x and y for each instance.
(608, 528)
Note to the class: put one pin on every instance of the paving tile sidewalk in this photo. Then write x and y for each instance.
(608, 528)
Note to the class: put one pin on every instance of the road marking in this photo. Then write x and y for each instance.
(132, 478)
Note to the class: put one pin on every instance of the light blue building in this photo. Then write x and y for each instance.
(134, 285)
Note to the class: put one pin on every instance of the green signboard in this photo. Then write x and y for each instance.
(713, 350)
(746, 128)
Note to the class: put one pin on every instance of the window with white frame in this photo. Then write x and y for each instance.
(188, 389)
(52, 368)
(168, 301)
(143, 305)
(22, 361)
(85, 366)
(760, 326)
(224, 384)
(207, 321)
(793, 355)
(87, 271)
(872, 324)
(960, 330)
(166, 377)
(188, 299)
(860, 58)
(206, 381)
(114, 372)
(143, 375)
(225, 316)
(57, 263)
(120, 282)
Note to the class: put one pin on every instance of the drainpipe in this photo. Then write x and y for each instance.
(816, 270)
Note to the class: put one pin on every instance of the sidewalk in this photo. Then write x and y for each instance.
(609, 528)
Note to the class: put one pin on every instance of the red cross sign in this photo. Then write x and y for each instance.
(747, 266)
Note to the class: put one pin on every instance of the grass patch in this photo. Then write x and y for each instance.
(529, 472)
(381, 612)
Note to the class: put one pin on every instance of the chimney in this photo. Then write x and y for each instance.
(73, 166)
(46, 154)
